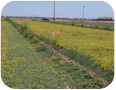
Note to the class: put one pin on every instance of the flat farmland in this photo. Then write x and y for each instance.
(27, 63)
(97, 45)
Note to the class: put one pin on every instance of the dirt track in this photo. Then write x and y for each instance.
(69, 60)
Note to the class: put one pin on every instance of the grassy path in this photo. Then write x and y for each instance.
(24, 67)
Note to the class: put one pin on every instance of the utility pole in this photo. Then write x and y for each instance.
(83, 12)
(54, 11)
(83, 16)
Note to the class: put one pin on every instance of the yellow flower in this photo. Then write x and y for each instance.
(41, 81)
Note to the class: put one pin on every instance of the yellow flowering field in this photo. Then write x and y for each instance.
(97, 45)
(22, 67)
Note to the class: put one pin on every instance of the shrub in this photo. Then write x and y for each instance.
(77, 67)
(71, 53)
(82, 25)
(85, 26)
(96, 27)
(41, 48)
(22, 30)
(54, 59)
(30, 37)
(26, 34)
(41, 43)
(73, 24)
(107, 28)
(62, 62)
(25, 26)
(33, 41)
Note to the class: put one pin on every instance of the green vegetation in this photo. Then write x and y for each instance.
(24, 67)
(104, 27)
(89, 47)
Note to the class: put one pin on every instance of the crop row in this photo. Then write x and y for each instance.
(101, 27)
(95, 44)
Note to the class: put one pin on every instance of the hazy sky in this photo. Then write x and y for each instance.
(67, 9)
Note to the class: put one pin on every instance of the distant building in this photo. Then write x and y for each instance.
(104, 18)
(45, 19)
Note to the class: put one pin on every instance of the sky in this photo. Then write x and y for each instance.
(64, 9)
